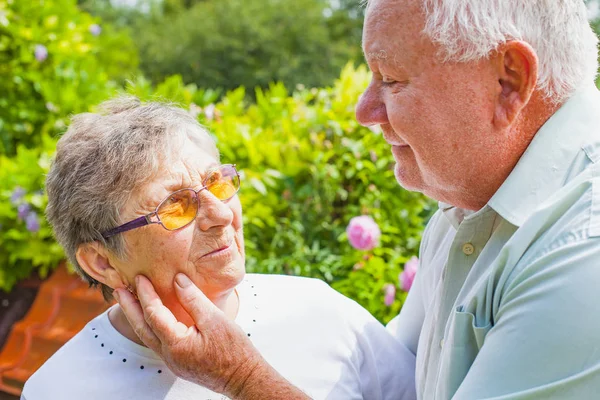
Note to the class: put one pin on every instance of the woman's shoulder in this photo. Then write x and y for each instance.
(53, 379)
(304, 293)
(286, 286)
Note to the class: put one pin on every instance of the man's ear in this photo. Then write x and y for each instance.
(94, 260)
(517, 70)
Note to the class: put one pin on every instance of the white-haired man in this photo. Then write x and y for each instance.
(490, 108)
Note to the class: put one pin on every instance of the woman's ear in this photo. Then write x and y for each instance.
(517, 74)
(93, 259)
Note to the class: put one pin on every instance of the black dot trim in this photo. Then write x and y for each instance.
(249, 335)
(96, 336)
(253, 320)
(124, 360)
(102, 345)
(110, 352)
(141, 367)
(160, 371)
(93, 329)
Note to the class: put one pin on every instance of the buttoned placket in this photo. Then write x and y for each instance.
(471, 237)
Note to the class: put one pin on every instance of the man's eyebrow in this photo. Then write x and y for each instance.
(378, 55)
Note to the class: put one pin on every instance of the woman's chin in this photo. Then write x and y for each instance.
(220, 276)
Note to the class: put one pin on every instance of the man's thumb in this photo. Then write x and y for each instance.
(197, 305)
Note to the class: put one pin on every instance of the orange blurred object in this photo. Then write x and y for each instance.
(62, 307)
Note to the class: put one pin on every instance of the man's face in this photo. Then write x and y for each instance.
(437, 116)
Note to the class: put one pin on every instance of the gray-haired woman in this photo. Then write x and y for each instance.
(138, 189)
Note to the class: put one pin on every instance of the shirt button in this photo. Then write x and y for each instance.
(442, 343)
(468, 249)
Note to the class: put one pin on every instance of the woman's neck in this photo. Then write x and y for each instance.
(228, 303)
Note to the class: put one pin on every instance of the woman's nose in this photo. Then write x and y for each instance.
(213, 212)
(370, 109)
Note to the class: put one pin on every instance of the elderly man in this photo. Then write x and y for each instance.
(490, 107)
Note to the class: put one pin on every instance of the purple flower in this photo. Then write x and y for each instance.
(407, 276)
(363, 233)
(41, 52)
(17, 195)
(95, 29)
(23, 210)
(209, 112)
(51, 107)
(390, 294)
(32, 222)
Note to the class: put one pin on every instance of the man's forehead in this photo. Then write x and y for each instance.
(391, 27)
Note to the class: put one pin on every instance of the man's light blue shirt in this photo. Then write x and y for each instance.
(506, 304)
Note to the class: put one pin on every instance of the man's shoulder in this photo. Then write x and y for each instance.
(563, 235)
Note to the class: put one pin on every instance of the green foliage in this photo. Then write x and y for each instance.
(52, 64)
(23, 248)
(55, 60)
(232, 43)
(308, 168)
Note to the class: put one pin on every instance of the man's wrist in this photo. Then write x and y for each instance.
(256, 379)
(243, 376)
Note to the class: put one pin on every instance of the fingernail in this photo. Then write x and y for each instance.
(116, 295)
(182, 280)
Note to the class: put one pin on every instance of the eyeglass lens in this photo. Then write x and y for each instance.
(181, 207)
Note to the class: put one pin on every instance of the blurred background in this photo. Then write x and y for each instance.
(276, 82)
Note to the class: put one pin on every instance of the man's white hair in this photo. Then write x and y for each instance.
(558, 30)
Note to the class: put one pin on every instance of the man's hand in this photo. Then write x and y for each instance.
(214, 353)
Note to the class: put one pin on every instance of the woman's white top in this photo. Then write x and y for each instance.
(322, 342)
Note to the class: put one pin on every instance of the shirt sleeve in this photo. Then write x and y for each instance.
(545, 343)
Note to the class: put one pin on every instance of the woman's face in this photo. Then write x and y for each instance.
(210, 250)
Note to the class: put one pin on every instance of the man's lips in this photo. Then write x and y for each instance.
(392, 140)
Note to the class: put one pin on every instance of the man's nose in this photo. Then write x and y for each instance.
(370, 109)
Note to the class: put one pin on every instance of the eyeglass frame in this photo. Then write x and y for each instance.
(153, 218)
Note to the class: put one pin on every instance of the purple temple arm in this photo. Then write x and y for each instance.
(136, 223)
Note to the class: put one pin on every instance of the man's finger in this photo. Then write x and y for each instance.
(133, 311)
(160, 319)
(197, 305)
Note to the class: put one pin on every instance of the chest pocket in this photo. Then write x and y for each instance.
(463, 343)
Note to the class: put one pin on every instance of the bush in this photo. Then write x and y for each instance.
(307, 168)
(54, 61)
(26, 241)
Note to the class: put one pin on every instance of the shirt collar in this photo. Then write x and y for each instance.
(546, 165)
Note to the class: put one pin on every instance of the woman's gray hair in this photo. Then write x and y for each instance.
(558, 30)
(104, 158)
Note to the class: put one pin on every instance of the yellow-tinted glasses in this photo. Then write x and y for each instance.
(181, 207)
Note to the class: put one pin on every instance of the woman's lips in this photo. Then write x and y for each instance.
(217, 252)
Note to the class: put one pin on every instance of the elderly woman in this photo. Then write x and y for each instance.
(138, 189)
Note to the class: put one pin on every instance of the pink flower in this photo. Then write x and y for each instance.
(363, 233)
(390, 294)
(40, 52)
(408, 275)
